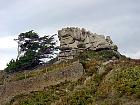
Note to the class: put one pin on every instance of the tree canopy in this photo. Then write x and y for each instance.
(32, 50)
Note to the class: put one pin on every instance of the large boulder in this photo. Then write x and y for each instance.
(76, 37)
(77, 40)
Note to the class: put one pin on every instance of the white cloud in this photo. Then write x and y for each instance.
(8, 48)
(7, 42)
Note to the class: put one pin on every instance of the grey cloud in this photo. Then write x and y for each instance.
(117, 18)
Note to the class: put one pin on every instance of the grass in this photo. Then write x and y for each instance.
(34, 73)
(104, 55)
(2, 81)
(127, 81)
(96, 55)
(45, 97)
(119, 82)
(2, 78)
(36, 98)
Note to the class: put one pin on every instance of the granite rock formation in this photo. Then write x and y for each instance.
(74, 40)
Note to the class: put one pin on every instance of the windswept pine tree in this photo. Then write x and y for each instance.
(32, 50)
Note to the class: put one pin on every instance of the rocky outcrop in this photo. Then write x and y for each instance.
(74, 40)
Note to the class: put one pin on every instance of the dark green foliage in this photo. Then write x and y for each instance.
(127, 81)
(11, 67)
(31, 50)
(40, 98)
(36, 98)
(81, 97)
(84, 95)
(28, 61)
(99, 55)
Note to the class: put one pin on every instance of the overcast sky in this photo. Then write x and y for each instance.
(119, 19)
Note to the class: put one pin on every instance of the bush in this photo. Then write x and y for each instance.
(91, 67)
(127, 81)
(25, 62)
(11, 66)
(99, 55)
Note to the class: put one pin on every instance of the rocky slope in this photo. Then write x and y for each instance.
(99, 76)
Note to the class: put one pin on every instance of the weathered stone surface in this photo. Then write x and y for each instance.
(76, 38)
(72, 37)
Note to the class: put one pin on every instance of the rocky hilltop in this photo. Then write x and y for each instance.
(74, 40)
(89, 71)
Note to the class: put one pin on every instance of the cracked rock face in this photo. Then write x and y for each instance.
(73, 39)
(80, 38)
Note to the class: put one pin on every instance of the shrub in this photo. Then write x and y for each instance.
(91, 67)
(35, 98)
(11, 66)
(127, 81)
(99, 55)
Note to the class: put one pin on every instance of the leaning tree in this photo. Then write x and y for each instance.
(32, 51)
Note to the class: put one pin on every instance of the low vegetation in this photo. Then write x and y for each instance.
(35, 73)
(109, 79)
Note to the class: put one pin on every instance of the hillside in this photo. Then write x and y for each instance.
(84, 74)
